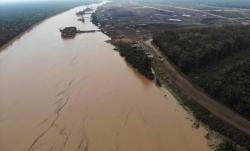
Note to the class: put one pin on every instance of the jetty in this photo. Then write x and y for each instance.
(69, 32)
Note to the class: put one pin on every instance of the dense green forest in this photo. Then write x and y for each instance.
(94, 19)
(16, 18)
(216, 59)
(137, 58)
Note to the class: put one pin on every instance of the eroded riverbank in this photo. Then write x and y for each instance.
(79, 94)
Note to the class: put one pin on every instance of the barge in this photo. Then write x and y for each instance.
(70, 32)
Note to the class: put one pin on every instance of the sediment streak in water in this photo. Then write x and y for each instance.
(79, 94)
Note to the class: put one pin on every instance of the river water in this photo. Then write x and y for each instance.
(79, 94)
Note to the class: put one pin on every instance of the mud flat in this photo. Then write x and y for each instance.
(79, 94)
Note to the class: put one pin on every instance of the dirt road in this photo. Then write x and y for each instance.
(201, 98)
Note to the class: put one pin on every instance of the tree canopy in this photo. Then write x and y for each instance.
(216, 59)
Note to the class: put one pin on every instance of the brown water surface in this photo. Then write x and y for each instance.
(79, 94)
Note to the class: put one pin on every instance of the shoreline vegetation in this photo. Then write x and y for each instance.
(137, 58)
(27, 15)
(132, 54)
(233, 139)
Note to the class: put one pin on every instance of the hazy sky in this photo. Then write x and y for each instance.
(17, 0)
(31, 0)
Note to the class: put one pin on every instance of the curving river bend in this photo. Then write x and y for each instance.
(79, 94)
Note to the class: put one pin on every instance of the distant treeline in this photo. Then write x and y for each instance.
(16, 18)
(137, 58)
(220, 3)
(216, 59)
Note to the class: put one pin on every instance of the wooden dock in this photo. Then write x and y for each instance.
(87, 31)
(69, 32)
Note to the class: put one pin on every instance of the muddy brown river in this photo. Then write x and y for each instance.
(79, 94)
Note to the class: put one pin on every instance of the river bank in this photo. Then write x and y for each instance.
(139, 36)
